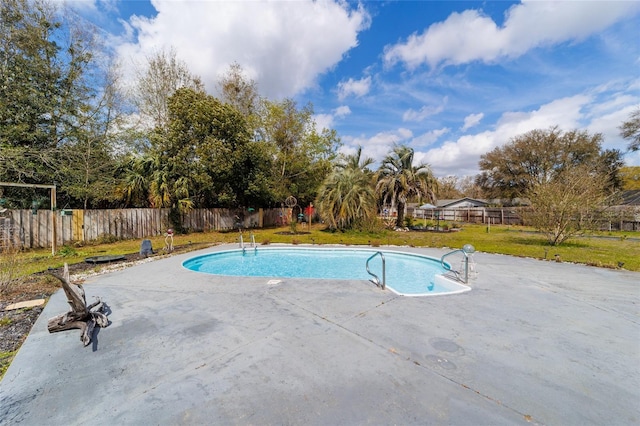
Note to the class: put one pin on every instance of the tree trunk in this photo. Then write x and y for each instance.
(400, 220)
(80, 316)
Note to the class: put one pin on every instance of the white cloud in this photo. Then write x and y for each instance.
(284, 46)
(472, 36)
(594, 111)
(325, 121)
(566, 113)
(342, 111)
(424, 112)
(601, 109)
(83, 6)
(460, 157)
(377, 146)
(472, 120)
(428, 138)
(609, 125)
(357, 88)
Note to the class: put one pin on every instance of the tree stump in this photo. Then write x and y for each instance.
(80, 316)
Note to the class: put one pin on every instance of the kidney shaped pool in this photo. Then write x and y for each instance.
(407, 274)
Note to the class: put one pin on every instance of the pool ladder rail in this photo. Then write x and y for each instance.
(254, 246)
(463, 276)
(376, 279)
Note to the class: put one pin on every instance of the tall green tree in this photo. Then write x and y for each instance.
(33, 80)
(50, 85)
(91, 157)
(302, 157)
(206, 158)
(399, 180)
(539, 156)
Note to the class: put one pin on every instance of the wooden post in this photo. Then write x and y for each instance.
(54, 234)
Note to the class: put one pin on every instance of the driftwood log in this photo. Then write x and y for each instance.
(80, 316)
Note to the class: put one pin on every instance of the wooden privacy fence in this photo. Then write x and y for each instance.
(24, 229)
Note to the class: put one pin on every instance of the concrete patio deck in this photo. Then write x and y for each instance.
(534, 342)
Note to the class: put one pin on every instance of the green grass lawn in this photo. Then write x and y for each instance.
(605, 249)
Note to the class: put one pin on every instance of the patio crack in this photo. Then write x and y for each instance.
(527, 417)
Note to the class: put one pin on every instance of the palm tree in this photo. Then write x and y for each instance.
(347, 199)
(133, 187)
(356, 162)
(399, 180)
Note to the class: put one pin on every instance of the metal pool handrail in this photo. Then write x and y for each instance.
(253, 243)
(466, 251)
(377, 280)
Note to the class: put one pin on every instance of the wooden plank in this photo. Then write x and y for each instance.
(26, 223)
(25, 304)
(35, 223)
(87, 225)
(78, 217)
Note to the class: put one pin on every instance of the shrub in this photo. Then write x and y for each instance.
(67, 251)
(371, 225)
(106, 239)
(10, 266)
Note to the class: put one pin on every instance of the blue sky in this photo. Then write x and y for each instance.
(452, 79)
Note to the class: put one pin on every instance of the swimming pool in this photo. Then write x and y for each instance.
(406, 273)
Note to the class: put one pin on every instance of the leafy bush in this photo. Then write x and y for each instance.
(67, 251)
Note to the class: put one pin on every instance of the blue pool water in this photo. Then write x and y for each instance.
(406, 273)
